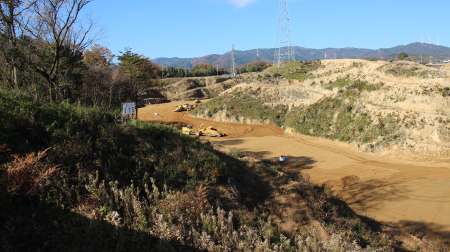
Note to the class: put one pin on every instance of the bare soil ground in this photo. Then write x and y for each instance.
(413, 194)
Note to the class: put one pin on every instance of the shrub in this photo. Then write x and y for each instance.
(238, 154)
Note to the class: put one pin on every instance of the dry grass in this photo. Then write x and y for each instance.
(25, 175)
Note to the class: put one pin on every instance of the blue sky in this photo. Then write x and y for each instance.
(195, 28)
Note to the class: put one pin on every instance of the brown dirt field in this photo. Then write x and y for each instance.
(412, 194)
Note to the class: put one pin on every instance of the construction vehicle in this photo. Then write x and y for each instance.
(179, 109)
(185, 107)
(209, 131)
(188, 130)
(202, 130)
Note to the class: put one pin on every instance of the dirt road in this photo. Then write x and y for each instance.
(413, 194)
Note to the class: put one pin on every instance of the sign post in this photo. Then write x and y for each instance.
(128, 109)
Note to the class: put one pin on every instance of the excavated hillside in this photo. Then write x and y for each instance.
(197, 87)
(392, 108)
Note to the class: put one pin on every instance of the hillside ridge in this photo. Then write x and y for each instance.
(301, 53)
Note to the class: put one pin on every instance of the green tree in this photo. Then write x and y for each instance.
(171, 71)
(402, 56)
(139, 70)
(256, 66)
(203, 70)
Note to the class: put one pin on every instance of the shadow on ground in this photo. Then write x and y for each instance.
(367, 195)
(230, 142)
(266, 186)
(300, 161)
(433, 230)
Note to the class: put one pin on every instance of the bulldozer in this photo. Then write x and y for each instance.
(185, 107)
(202, 130)
(178, 109)
(209, 131)
(188, 130)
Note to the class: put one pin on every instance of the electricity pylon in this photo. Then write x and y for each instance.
(233, 62)
(284, 50)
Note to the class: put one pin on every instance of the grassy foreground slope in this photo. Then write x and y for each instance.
(74, 179)
(374, 106)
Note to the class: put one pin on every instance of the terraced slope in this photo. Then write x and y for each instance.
(399, 108)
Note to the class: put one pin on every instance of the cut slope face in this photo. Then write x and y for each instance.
(392, 108)
(193, 88)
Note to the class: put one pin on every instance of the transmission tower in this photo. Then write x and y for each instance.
(233, 62)
(284, 50)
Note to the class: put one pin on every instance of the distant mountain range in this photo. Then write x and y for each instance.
(301, 53)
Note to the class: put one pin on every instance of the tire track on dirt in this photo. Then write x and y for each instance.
(330, 149)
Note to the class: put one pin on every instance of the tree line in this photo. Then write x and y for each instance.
(48, 50)
(45, 52)
(209, 70)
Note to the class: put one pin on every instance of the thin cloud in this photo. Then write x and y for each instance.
(241, 3)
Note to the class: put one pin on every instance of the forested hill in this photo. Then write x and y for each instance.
(243, 57)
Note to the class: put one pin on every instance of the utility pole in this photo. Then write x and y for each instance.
(284, 50)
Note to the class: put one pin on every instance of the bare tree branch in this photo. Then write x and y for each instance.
(58, 27)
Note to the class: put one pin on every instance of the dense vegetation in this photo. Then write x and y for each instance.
(210, 70)
(60, 161)
(242, 105)
(340, 117)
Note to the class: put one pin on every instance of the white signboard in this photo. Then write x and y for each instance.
(128, 108)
